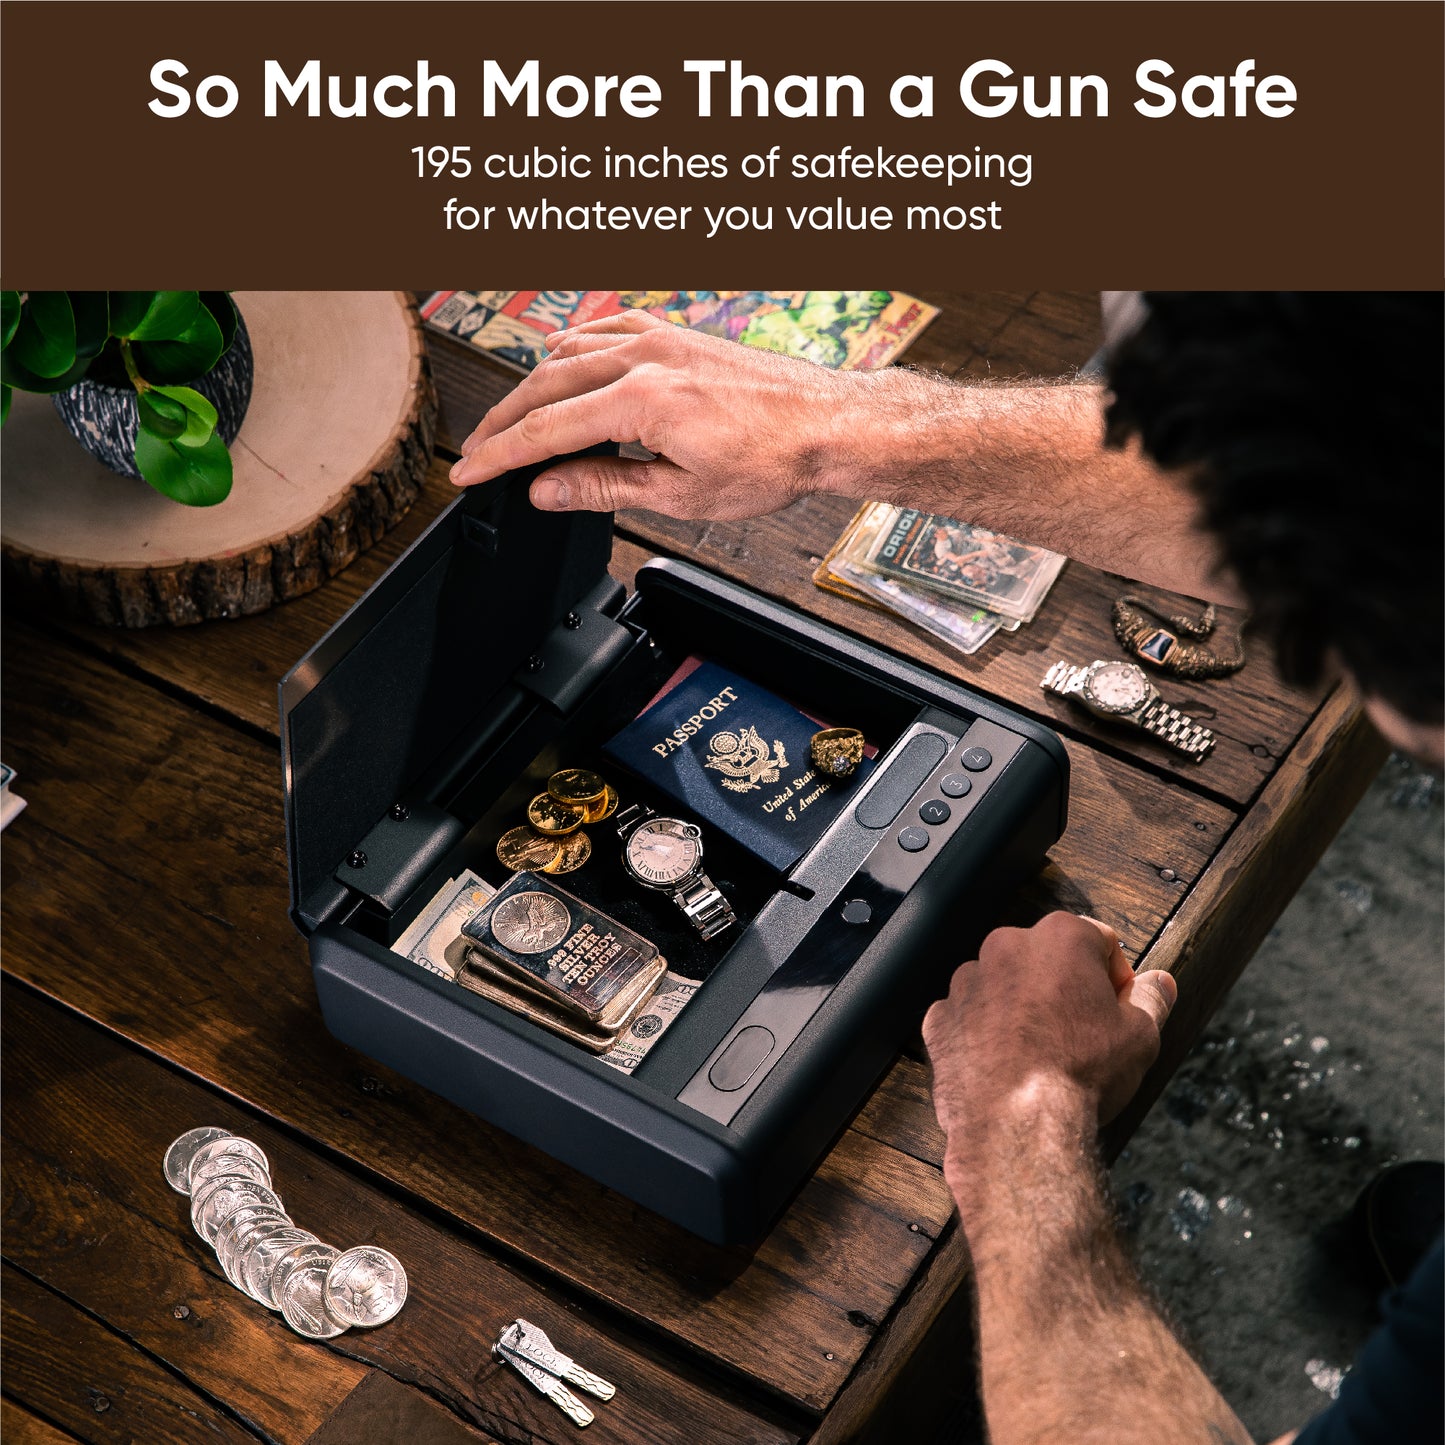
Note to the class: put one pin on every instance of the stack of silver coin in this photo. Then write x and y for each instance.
(319, 1290)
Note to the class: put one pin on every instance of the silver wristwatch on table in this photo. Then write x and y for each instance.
(666, 854)
(1121, 691)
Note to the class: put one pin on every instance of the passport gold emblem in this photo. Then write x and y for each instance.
(746, 761)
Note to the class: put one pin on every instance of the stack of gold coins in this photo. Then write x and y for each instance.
(552, 840)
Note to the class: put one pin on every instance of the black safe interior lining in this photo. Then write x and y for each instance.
(490, 804)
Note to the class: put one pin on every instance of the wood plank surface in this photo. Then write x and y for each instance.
(83, 1182)
(95, 1384)
(19, 1427)
(1266, 858)
(382, 1409)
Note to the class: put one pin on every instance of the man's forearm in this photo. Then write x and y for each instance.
(1027, 460)
(1070, 1347)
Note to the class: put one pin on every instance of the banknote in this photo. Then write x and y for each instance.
(636, 1042)
(433, 940)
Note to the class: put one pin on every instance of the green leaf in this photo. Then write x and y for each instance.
(198, 476)
(168, 317)
(13, 373)
(44, 340)
(160, 416)
(187, 356)
(92, 321)
(127, 308)
(9, 315)
(200, 414)
(5, 394)
(224, 312)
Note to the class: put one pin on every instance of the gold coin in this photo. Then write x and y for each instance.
(576, 850)
(577, 786)
(554, 819)
(596, 812)
(524, 850)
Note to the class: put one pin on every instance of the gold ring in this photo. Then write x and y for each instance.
(836, 752)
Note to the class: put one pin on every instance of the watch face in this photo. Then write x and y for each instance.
(663, 852)
(1117, 687)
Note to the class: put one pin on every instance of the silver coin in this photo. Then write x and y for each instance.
(178, 1158)
(257, 1259)
(365, 1286)
(235, 1164)
(239, 1231)
(299, 1285)
(530, 922)
(206, 1188)
(230, 1144)
(221, 1198)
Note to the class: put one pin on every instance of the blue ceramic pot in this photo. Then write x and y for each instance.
(104, 419)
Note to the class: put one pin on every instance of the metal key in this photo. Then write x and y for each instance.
(548, 1385)
(523, 1340)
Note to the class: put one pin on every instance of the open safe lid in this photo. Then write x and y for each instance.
(398, 685)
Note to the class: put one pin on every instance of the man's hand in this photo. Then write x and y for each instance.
(1049, 1018)
(736, 432)
(1047, 1034)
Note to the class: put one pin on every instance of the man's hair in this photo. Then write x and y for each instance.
(1310, 427)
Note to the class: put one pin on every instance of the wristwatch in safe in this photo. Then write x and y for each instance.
(666, 854)
(1121, 691)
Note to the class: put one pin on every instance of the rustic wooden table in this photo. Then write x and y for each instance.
(153, 982)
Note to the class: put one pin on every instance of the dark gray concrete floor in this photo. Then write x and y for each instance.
(1324, 1064)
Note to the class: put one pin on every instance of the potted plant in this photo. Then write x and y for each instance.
(153, 383)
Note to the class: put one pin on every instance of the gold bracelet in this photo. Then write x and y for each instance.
(1136, 625)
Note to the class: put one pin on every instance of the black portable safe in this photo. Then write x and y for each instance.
(497, 649)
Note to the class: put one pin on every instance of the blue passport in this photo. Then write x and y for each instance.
(735, 756)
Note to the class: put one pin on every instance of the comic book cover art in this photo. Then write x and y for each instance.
(846, 330)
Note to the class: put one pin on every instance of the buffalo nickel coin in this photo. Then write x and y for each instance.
(299, 1285)
(365, 1286)
(258, 1258)
(239, 1232)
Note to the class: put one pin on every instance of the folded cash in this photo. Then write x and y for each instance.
(434, 937)
(639, 1038)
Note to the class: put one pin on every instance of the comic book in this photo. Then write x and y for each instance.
(846, 330)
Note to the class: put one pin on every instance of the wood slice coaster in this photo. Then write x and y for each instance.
(333, 451)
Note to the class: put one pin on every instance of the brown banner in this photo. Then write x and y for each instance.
(837, 145)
